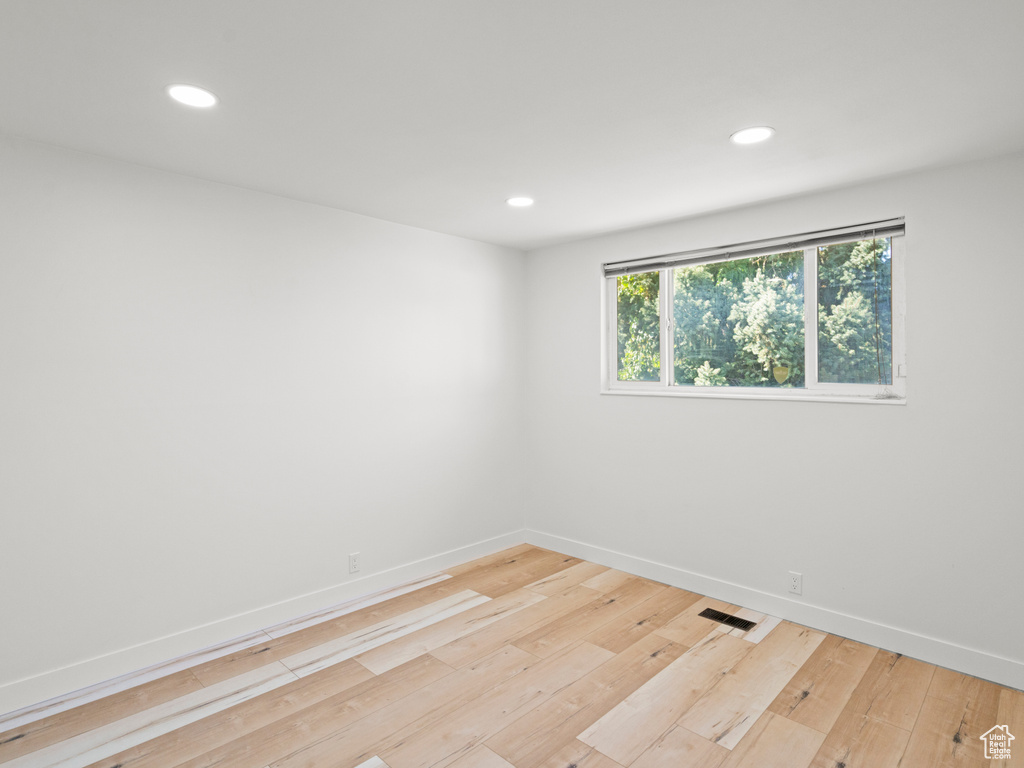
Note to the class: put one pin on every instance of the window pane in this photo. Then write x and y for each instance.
(740, 323)
(855, 312)
(639, 331)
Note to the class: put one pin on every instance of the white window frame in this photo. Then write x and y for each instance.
(813, 390)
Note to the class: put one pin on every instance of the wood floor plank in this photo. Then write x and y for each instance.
(893, 689)
(318, 722)
(351, 606)
(1011, 708)
(642, 619)
(278, 648)
(608, 580)
(359, 738)
(400, 650)
(688, 628)
(572, 627)
(511, 573)
(859, 741)
(481, 757)
(822, 687)
(535, 571)
(679, 748)
(35, 735)
(183, 744)
(874, 727)
(322, 656)
(560, 581)
(955, 686)
(765, 624)
(762, 630)
(482, 642)
(511, 559)
(632, 726)
(957, 711)
(85, 749)
(106, 693)
(538, 734)
(730, 709)
(481, 564)
(946, 736)
(1011, 714)
(580, 755)
(775, 742)
(488, 714)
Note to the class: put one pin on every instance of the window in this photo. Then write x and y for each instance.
(815, 316)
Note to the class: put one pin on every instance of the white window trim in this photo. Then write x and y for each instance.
(813, 391)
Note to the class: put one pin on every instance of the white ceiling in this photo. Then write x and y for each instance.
(611, 113)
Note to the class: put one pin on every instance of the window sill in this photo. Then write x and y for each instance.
(738, 393)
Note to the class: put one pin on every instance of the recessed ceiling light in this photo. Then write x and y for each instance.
(191, 95)
(520, 202)
(752, 135)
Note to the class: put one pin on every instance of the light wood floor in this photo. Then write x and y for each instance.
(529, 659)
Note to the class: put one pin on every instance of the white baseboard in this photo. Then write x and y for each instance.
(100, 675)
(932, 650)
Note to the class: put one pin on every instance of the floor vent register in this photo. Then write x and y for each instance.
(728, 619)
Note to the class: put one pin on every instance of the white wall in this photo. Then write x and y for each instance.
(209, 397)
(906, 522)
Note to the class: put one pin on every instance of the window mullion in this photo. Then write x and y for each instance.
(810, 317)
(667, 331)
(899, 317)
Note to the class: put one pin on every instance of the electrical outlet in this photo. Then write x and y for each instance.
(353, 563)
(796, 583)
